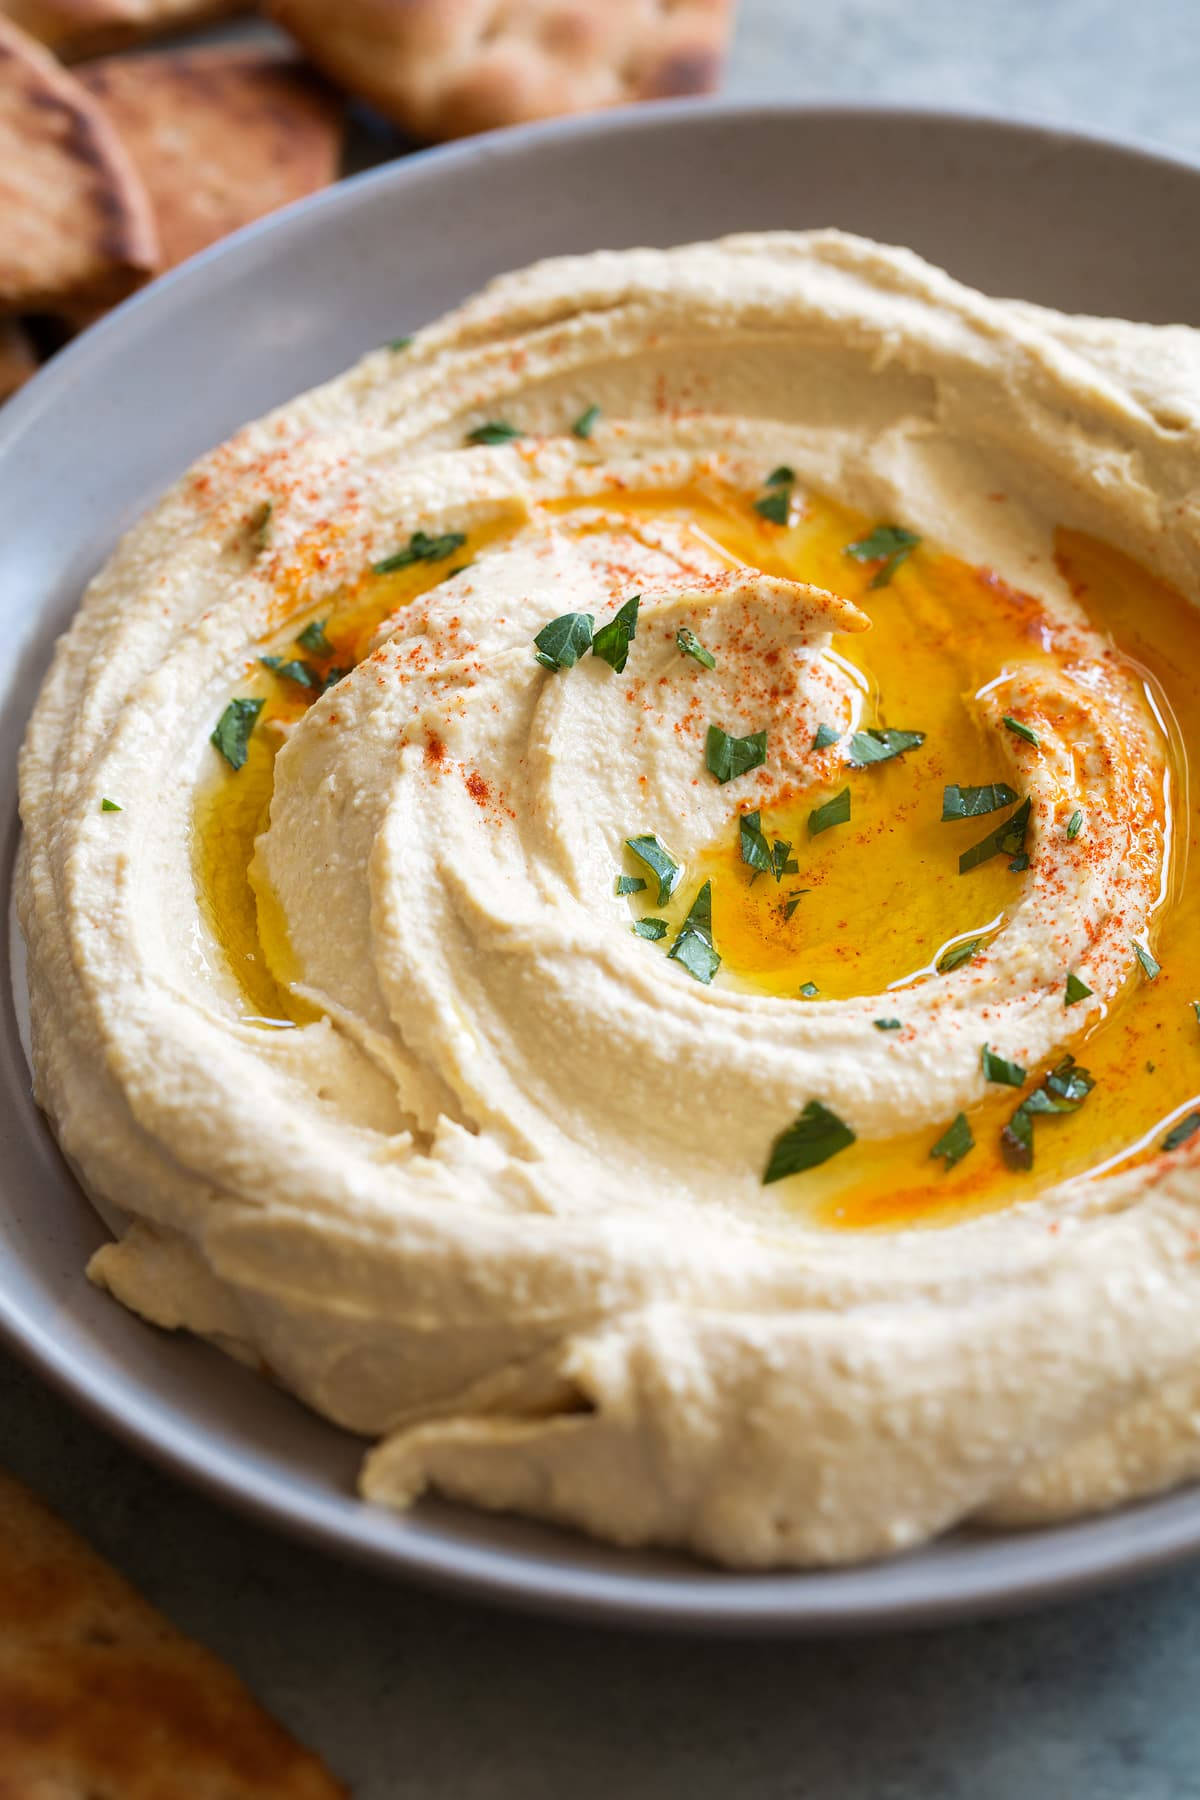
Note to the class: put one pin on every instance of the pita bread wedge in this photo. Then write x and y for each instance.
(100, 1696)
(18, 359)
(78, 28)
(219, 136)
(443, 68)
(77, 223)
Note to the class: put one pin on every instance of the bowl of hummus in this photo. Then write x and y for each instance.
(606, 905)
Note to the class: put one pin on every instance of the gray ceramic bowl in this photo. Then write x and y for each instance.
(1076, 223)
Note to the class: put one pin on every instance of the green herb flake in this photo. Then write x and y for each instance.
(1069, 1083)
(1008, 839)
(1076, 990)
(110, 806)
(808, 990)
(654, 929)
(775, 506)
(998, 1068)
(611, 643)
(690, 645)
(421, 548)
(1074, 826)
(494, 431)
(231, 735)
(1196, 1010)
(587, 421)
(292, 670)
(313, 639)
(887, 1024)
(1019, 863)
(1016, 1139)
(260, 525)
(780, 477)
(781, 860)
(793, 901)
(630, 884)
(955, 1141)
(659, 861)
(332, 677)
(694, 945)
(561, 643)
(728, 757)
(826, 735)
(973, 802)
(958, 954)
(833, 812)
(400, 343)
(756, 852)
(1150, 968)
(810, 1140)
(888, 544)
(1023, 731)
(880, 746)
(1179, 1134)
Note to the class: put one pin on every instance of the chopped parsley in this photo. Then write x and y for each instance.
(1179, 1134)
(1063, 1090)
(887, 1024)
(690, 645)
(1076, 990)
(833, 812)
(880, 746)
(972, 802)
(659, 861)
(998, 1068)
(561, 643)
(889, 545)
(758, 854)
(1008, 839)
(1150, 968)
(611, 643)
(400, 343)
(1196, 1010)
(654, 929)
(313, 639)
(1016, 1139)
(293, 670)
(110, 806)
(728, 757)
(493, 431)
(332, 677)
(421, 548)
(630, 884)
(586, 423)
(958, 953)
(260, 525)
(793, 901)
(808, 990)
(810, 1140)
(780, 477)
(1023, 731)
(776, 503)
(826, 735)
(955, 1141)
(694, 945)
(231, 734)
(1074, 826)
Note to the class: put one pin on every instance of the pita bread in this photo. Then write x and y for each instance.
(443, 68)
(77, 224)
(75, 28)
(18, 359)
(102, 1699)
(219, 136)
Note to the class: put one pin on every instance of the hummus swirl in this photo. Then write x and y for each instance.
(378, 1047)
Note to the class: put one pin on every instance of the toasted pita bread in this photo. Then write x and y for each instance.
(102, 1699)
(443, 68)
(77, 224)
(219, 136)
(76, 28)
(18, 359)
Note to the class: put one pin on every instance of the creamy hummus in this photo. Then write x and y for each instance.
(606, 902)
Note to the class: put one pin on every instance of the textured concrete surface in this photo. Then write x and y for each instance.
(409, 1694)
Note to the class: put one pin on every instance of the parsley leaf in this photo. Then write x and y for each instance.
(811, 1139)
(694, 945)
(421, 548)
(659, 861)
(1022, 731)
(970, 802)
(1150, 968)
(313, 638)
(611, 643)
(826, 735)
(776, 503)
(654, 929)
(997, 1068)
(890, 542)
(110, 806)
(1076, 990)
(1016, 1139)
(561, 643)
(955, 1141)
(1074, 826)
(293, 670)
(231, 734)
(629, 884)
(332, 677)
(1179, 1134)
(880, 746)
(756, 852)
(1007, 839)
(887, 1024)
(400, 343)
(780, 477)
(690, 645)
(808, 990)
(727, 757)
(833, 812)
(793, 901)
(494, 431)
(586, 423)
(958, 953)
(1063, 1090)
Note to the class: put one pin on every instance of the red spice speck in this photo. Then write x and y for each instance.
(435, 752)
(478, 788)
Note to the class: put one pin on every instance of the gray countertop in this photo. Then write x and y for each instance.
(407, 1693)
